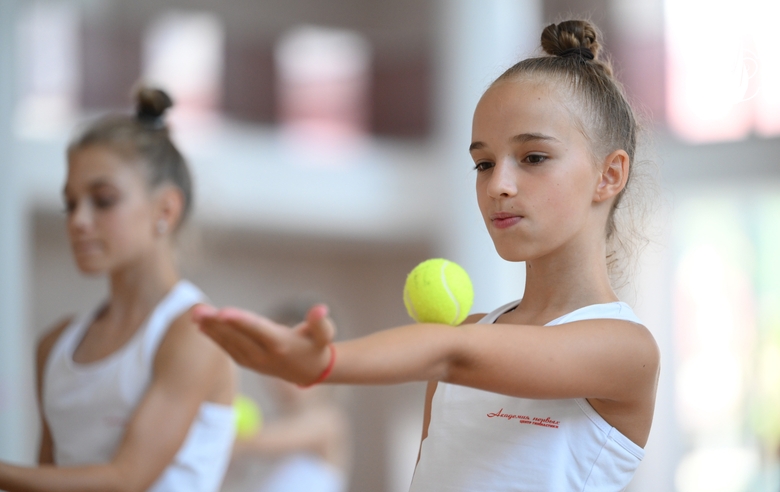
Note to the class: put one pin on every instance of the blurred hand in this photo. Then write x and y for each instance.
(242, 447)
(298, 355)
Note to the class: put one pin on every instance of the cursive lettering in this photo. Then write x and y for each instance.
(525, 419)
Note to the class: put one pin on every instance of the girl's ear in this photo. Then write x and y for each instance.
(613, 177)
(170, 204)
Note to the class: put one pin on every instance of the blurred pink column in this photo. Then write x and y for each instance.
(323, 78)
(184, 55)
(49, 76)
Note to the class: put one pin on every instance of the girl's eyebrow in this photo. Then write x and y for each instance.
(98, 183)
(519, 138)
(528, 137)
(476, 146)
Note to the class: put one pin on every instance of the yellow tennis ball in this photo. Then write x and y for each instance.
(438, 291)
(249, 418)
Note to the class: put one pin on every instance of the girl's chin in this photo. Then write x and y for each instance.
(90, 268)
(513, 258)
(510, 252)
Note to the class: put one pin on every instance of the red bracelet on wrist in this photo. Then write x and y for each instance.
(326, 372)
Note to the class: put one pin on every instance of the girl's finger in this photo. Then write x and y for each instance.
(227, 336)
(217, 332)
(245, 350)
(260, 329)
(203, 311)
(318, 326)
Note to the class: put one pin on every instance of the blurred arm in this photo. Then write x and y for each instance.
(46, 449)
(311, 431)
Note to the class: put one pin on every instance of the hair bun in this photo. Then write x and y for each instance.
(573, 36)
(151, 104)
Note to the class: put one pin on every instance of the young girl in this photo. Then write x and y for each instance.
(133, 396)
(552, 392)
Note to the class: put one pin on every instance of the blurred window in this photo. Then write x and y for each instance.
(723, 72)
(727, 341)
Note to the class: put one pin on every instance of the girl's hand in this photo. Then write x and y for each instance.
(299, 355)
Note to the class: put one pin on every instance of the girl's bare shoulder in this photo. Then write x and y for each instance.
(184, 335)
(184, 343)
(47, 341)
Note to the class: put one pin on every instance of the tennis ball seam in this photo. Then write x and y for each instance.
(410, 305)
(449, 292)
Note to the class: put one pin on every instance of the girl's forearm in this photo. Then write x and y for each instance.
(422, 352)
(281, 438)
(97, 478)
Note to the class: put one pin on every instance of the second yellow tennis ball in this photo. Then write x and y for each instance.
(438, 291)
(249, 418)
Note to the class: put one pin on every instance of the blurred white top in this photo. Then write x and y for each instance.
(305, 473)
(88, 406)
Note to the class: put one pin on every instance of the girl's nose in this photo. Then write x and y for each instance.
(503, 182)
(80, 217)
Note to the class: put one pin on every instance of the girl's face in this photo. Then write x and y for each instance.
(536, 176)
(110, 211)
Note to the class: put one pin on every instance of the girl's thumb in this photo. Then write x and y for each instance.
(318, 326)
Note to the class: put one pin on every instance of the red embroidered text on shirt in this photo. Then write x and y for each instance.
(525, 419)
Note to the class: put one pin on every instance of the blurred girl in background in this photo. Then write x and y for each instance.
(133, 396)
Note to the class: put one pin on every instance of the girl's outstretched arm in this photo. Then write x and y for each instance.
(601, 358)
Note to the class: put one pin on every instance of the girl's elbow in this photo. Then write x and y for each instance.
(128, 480)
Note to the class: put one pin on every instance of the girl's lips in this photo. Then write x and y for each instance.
(86, 247)
(504, 220)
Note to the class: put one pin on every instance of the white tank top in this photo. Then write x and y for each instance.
(483, 441)
(303, 472)
(88, 406)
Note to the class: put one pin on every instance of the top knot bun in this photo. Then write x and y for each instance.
(570, 35)
(151, 104)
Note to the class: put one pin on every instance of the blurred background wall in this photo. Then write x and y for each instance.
(332, 180)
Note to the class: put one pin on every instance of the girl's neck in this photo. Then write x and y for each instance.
(137, 288)
(566, 280)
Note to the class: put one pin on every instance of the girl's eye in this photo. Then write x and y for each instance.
(483, 166)
(104, 202)
(535, 158)
(69, 206)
